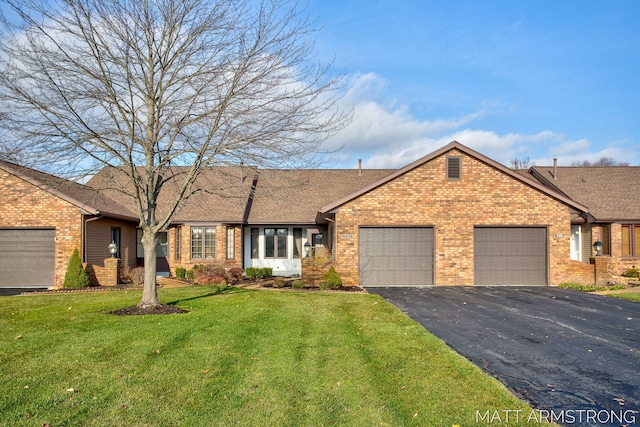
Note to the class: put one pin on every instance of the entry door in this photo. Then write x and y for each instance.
(396, 256)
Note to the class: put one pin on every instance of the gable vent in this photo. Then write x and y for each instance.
(453, 168)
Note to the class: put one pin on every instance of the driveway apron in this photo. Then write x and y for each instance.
(561, 350)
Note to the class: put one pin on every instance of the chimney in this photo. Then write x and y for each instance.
(359, 167)
(555, 168)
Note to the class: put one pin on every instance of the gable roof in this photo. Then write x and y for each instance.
(222, 193)
(611, 192)
(88, 199)
(293, 196)
(455, 145)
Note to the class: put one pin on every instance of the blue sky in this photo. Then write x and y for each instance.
(510, 79)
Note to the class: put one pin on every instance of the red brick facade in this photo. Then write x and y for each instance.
(425, 197)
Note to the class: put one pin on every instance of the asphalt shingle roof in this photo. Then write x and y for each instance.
(610, 192)
(294, 196)
(83, 196)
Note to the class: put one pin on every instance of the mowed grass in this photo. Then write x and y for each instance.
(631, 296)
(246, 358)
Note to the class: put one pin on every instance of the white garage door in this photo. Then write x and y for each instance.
(510, 255)
(27, 257)
(396, 256)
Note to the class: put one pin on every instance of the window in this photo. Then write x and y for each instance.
(297, 242)
(115, 238)
(161, 247)
(178, 243)
(231, 243)
(631, 240)
(453, 168)
(255, 232)
(203, 242)
(275, 240)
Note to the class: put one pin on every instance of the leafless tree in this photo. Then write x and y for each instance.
(602, 161)
(145, 85)
(521, 164)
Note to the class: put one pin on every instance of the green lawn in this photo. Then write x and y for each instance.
(249, 358)
(631, 296)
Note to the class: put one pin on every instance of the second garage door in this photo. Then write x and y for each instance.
(27, 257)
(510, 255)
(396, 256)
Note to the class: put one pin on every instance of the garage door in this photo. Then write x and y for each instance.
(510, 255)
(392, 256)
(27, 257)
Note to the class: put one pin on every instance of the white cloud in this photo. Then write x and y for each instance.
(385, 134)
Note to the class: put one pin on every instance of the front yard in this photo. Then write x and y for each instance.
(239, 357)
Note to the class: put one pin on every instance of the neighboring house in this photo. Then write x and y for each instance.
(44, 218)
(453, 217)
(613, 197)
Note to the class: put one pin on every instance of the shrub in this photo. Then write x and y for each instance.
(297, 284)
(234, 274)
(190, 274)
(251, 272)
(332, 279)
(631, 272)
(259, 273)
(213, 269)
(76, 276)
(266, 272)
(278, 282)
(212, 280)
(137, 276)
(181, 272)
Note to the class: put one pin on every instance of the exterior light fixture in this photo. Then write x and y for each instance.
(113, 249)
(598, 247)
(307, 248)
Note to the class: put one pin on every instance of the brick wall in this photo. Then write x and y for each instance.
(25, 205)
(424, 197)
(221, 248)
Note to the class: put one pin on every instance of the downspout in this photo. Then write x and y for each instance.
(84, 236)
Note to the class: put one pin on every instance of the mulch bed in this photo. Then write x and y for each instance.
(139, 311)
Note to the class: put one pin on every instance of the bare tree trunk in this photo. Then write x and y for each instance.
(150, 290)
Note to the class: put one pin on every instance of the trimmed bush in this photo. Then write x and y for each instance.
(137, 276)
(76, 276)
(332, 279)
(631, 272)
(259, 273)
(212, 280)
(297, 284)
(234, 274)
(278, 282)
(181, 272)
(190, 274)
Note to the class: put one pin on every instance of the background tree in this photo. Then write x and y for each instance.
(603, 161)
(521, 164)
(148, 84)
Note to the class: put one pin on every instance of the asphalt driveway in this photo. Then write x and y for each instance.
(563, 351)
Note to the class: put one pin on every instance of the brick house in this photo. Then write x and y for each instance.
(453, 217)
(611, 194)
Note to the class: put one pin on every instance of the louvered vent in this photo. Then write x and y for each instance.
(453, 168)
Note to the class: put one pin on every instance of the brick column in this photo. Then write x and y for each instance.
(111, 272)
(601, 267)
